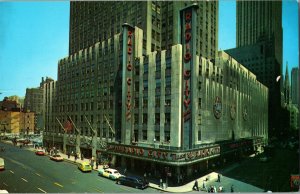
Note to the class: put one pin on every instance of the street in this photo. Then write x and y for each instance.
(27, 173)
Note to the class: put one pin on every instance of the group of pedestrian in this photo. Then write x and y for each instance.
(212, 188)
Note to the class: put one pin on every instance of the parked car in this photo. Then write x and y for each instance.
(109, 173)
(85, 167)
(56, 157)
(40, 152)
(132, 181)
(2, 167)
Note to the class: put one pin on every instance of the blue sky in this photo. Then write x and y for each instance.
(35, 35)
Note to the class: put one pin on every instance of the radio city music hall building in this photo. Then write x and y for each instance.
(169, 108)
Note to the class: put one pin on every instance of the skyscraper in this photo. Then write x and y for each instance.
(167, 110)
(259, 48)
(295, 86)
(92, 22)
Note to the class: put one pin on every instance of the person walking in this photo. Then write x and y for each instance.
(219, 178)
(145, 176)
(92, 163)
(75, 157)
(204, 185)
(125, 171)
(231, 189)
(68, 155)
(181, 178)
(195, 187)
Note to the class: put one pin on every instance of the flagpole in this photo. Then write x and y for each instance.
(61, 125)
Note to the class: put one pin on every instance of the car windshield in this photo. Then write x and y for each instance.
(115, 172)
(56, 156)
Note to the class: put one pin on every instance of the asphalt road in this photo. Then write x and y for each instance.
(27, 173)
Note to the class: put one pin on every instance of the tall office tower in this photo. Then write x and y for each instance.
(295, 86)
(48, 102)
(259, 48)
(286, 87)
(92, 22)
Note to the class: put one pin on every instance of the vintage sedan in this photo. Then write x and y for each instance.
(109, 173)
(85, 167)
(56, 157)
(40, 152)
(133, 181)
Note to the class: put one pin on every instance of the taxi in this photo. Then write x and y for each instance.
(57, 158)
(85, 167)
(109, 173)
(40, 152)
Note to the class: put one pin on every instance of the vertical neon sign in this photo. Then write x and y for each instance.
(127, 83)
(188, 41)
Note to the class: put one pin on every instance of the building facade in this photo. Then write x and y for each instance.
(169, 108)
(158, 19)
(295, 86)
(259, 48)
(16, 122)
(49, 91)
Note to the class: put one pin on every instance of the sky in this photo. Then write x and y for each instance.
(35, 35)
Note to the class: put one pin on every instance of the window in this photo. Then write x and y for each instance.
(144, 135)
(157, 118)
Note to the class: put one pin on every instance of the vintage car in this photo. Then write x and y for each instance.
(40, 152)
(133, 181)
(109, 173)
(85, 167)
(56, 157)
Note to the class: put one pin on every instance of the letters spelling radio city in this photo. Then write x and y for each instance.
(187, 65)
(129, 69)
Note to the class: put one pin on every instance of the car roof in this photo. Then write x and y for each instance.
(111, 169)
(134, 177)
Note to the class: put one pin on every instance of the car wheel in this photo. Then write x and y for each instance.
(118, 182)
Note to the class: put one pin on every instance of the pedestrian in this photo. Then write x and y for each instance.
(219, 178)
(204, 185)
(92, 164)
(160, 183)
(75, 157)
(180, 177)
(215, 189)
(82, 156)
(68, 155)
(145, 176)
(220, 189)
(195, 187)
(97, 163)
(231, 189)
(125, 171)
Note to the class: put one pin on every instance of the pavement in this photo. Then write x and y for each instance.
(226, 182)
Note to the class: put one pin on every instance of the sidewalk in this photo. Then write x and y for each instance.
(226, 182)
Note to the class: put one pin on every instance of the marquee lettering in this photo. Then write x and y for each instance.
(129, 68)
(187, 66)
